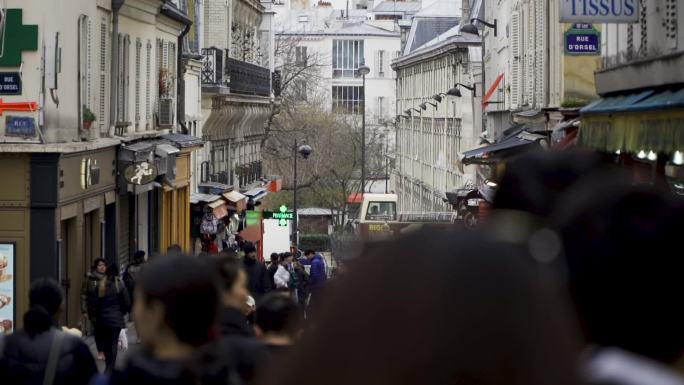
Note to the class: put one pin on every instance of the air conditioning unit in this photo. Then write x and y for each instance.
(165, 116)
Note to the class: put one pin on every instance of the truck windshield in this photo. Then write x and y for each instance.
(381, 211)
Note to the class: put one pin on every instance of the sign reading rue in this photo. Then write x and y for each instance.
(16, 38)
(582, 39)
(10, 83)
(20, 126)
(599, 11)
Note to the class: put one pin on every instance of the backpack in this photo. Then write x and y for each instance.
(209, 224)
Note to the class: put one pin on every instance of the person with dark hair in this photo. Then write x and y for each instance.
(272, 268)
(479, 311)
(133, 269)
(625, 278)
(110, 302)
(279, 322)
(41, 353)
(174, 250)
(96, 273)
(257, 275)
(318, 275)
(175, 317)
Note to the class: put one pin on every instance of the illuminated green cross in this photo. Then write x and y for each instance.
(17, 38)
(283, 208)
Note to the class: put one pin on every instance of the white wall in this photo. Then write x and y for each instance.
(276, 238)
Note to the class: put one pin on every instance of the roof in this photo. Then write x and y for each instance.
(442, 8)
(348, 29)
(315, 211)
(435, 45)
(454, 31)
(398, 6)
(424, 30)
(183, 140)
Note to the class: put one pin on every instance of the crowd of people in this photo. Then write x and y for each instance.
(574, 279)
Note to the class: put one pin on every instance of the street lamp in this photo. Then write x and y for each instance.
(472, 28)
(305, 151)
(363, 70)
(423, 106)
(457, 92)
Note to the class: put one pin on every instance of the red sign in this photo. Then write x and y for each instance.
(18, 106)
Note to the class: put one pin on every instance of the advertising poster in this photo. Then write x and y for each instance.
(7, 295)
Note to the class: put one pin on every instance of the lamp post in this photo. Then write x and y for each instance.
(363, 70)
(305, 151)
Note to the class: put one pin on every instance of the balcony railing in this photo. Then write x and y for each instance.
(242, 77)
(247, 78)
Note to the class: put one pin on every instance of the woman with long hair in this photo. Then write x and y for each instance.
(110, 302)
(41, 353)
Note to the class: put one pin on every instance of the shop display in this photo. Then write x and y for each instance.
(7, 295)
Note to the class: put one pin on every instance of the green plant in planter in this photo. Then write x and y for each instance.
(88, 116)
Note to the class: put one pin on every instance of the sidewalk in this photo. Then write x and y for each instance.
(121, 356)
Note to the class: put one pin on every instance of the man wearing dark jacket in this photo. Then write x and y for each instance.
(318, 275)
(258, 280)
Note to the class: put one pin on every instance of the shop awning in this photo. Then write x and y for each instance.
(649, 120)
(199, 197)
(256, 193)
(219, 208)
(493, 153)
(236, 200)
(491, 90)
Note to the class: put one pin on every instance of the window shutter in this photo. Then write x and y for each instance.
(138, 52)
(127, 78)
(148, 79)
(515, 60)
(671, 23)
(120, 88)
(539, 73)
(102, 75)
(89, 65)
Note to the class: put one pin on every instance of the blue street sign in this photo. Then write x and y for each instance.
(10, 83)
(20, 126)
(582, 39)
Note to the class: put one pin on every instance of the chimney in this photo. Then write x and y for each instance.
(465, 11)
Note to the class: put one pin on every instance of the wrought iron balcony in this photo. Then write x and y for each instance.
(212, 66)
(247, 78)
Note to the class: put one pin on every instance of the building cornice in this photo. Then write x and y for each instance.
(431, 52)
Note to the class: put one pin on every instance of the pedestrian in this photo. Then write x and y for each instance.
(625, 278)
(175, 317)
(282, 276)
(301, 282)
(272, 268)
(133, 270)
(110, 302)
(318, 275)
(237, 335)
(479, 311)
(41, 353)
(92, 277)
(279, 320)
(257, 276)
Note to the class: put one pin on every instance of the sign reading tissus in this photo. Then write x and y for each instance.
(604, 11)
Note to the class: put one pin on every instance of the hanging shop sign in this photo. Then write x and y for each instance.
(582, 39)
(10, 83)
(140, 173)
(7, 287)
(283, 215)
(599, 11)
(24, 126)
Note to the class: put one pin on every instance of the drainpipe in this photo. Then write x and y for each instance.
(114, 75)
(180, 97)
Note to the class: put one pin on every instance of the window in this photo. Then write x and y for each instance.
(347, 56)
(380, 108)
(380, 63)
(347, 100)
(381, 211)
(300, 56)
(148, 77)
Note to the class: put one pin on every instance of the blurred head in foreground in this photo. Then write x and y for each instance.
(439, 307)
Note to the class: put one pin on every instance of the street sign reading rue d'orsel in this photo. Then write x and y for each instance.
(599, 11)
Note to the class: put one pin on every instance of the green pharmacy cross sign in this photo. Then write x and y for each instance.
(283, 215)
(16, 38)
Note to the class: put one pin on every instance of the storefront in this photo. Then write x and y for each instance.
(643, 131)
(155, 194)
(57, 214)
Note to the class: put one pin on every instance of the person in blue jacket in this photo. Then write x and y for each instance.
(318, 275)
